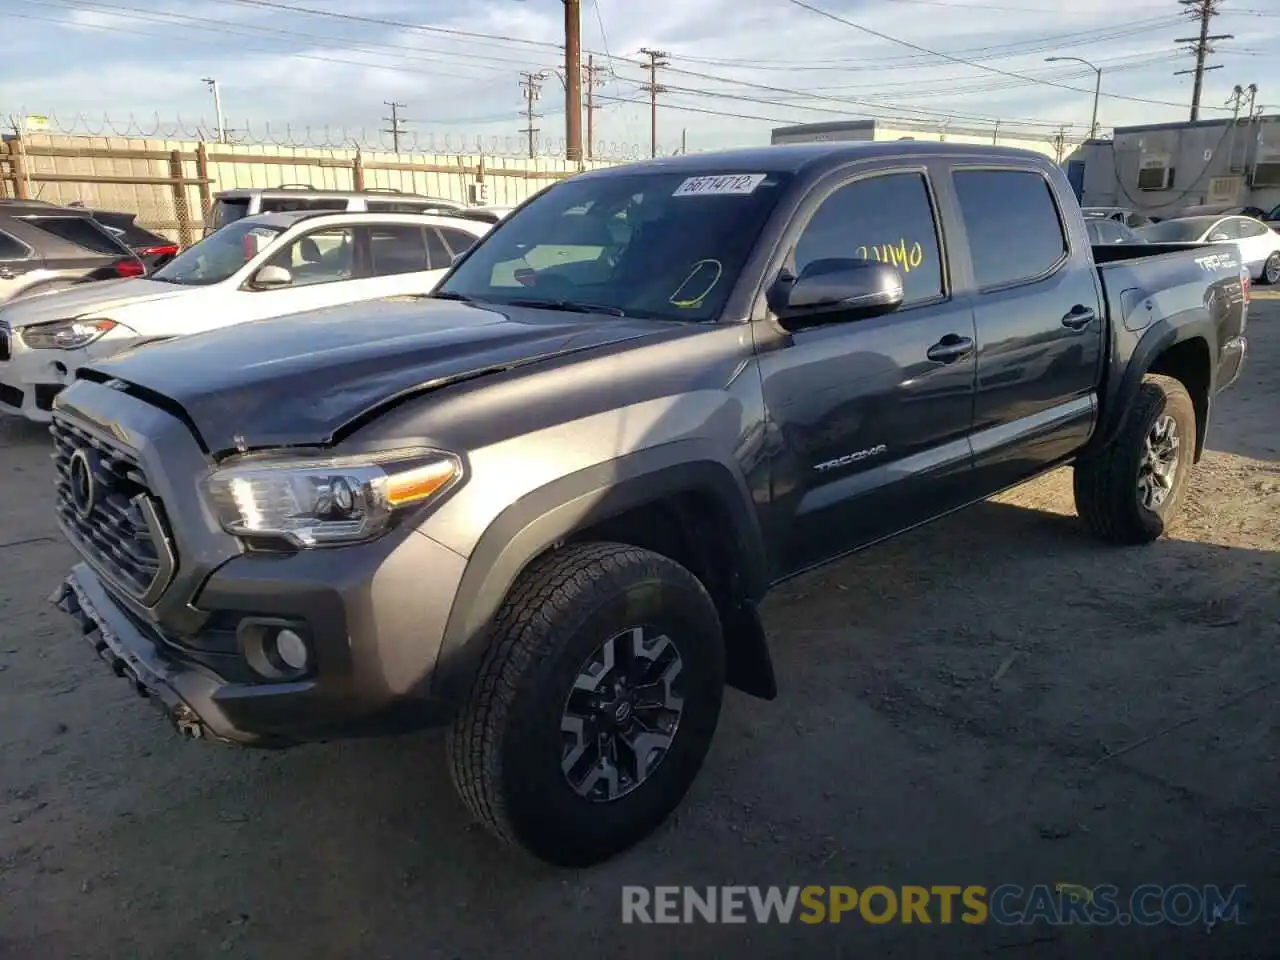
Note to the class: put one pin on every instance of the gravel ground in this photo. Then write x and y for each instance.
(992, 699)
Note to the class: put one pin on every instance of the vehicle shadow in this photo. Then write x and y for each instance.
(946, 700)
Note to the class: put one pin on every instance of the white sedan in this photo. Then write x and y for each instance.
(254, 268)
(1258, 244)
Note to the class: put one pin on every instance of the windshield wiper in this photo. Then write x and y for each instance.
(450, 295)
(569, 306)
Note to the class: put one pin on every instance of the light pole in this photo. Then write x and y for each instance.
(1097, 88)
(217, 107)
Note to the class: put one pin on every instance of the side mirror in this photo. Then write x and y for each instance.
(271, 276)
(1218, 237)
(837, 289)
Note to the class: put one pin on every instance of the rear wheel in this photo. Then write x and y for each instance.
(1129, 492)
(595, 706)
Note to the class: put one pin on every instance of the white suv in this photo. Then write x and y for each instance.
(257, 267)
(232, 205)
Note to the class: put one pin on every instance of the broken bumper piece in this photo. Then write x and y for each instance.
(136, 658)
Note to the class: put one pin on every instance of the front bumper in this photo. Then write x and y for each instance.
(30, 379)
(373, 657)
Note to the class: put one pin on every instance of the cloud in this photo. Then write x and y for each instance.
(730, 60)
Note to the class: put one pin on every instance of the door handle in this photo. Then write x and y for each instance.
(950, 348)
(1078, 317)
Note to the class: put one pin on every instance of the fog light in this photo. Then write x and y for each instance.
(291, 649)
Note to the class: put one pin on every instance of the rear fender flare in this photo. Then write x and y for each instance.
(552, 513)
(1119, 401)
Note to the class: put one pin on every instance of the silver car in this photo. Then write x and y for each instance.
(1259, 245)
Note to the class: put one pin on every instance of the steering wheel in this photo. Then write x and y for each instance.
(554, 286)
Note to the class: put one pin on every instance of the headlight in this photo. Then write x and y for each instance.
(65, 334)
(318, 502)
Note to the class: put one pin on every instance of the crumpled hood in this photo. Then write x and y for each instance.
(86, 300)
(300, 379)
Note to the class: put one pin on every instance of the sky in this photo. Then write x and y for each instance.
(319, 71)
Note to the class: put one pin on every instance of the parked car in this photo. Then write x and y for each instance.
(232, 205)
(1219, 210)
(45, 247)
(543, 504)
(491, 213)
(1259, 245)
(262, 266)
(152, 249)
(1103, 230)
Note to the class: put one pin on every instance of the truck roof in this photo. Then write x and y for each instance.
(794, 157)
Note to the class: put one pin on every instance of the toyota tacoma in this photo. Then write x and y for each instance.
(541, 505)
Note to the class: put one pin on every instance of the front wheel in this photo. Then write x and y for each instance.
(595, 706)
(1271, 270)
(1128, 493)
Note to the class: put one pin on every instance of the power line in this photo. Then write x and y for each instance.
(970, 63)
(464, 59)
(129, 31)
(395, 122)
(987, 52)
(1204, 11)
(657, 58)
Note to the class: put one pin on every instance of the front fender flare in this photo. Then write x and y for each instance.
(550, 514)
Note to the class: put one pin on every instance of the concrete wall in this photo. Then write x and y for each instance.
(510, 180)
(1213, 162)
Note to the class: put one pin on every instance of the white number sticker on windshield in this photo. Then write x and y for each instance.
(738, 184)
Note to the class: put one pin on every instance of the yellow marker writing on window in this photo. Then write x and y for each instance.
(899, 254)
(711, 268)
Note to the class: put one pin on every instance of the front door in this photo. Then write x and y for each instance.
(873, 414)
(325, 271)
(1040, 325)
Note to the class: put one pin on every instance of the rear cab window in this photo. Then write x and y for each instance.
(1013, 223)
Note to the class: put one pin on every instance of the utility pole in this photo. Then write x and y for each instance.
(217, 108)
(395, 122)
(1060, 143)
(531, 84)
(1252, 90)
(573, 79)
(1202, 10)
(657, 58)
(591, 80)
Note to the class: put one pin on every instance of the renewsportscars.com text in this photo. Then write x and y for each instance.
(1007, 904)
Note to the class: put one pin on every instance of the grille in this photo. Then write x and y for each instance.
(116, 535)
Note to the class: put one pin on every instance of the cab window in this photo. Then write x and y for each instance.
(887, 218)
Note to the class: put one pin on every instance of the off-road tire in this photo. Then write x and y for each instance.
(505, 748)
(1106, 485)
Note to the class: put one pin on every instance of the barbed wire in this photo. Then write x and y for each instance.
(341, 137)
(326, 136)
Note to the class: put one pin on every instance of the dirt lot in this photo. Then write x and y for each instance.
(995, 699)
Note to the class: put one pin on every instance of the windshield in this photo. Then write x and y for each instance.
(1176, 231)
(663, 245)
(217, 256)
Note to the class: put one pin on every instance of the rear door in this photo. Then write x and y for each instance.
(404, 258)
(874, 413)
(1040, 323)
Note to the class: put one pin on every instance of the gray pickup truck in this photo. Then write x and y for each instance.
(542, 505)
